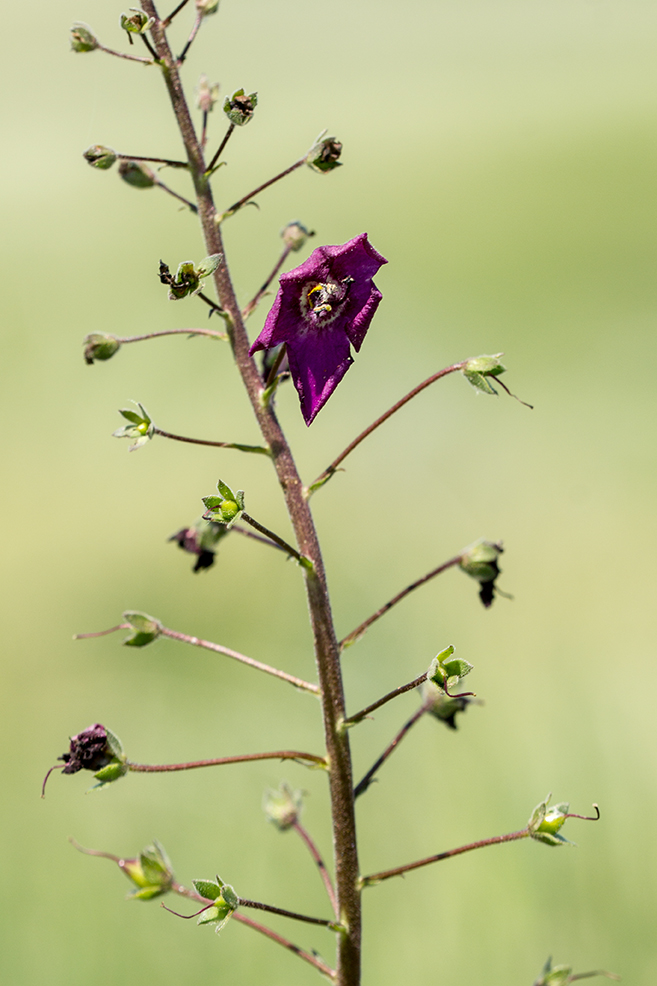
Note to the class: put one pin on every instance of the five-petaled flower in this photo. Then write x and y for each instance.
(322, 308)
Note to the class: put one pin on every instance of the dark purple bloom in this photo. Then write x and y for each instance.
(322, 308)
(89, 750)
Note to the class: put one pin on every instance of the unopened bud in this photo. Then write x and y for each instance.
(136, 22)
(295, 235)
(225, 508)
(137, 174)
(100, 346)
(151, 872)
(477, 371)
(145, 629)
(283, 807)
(224, 899)
(323, 155)
(82, 38)
(100, 156)
(141, 428)
(239, 107)
(206, 7)
(479, 561)
(206, 94)
(545, 823)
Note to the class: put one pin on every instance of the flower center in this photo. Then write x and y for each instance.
(324, 299)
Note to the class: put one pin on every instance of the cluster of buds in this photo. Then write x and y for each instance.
(201, 539)
(323, 155)
(479, 561)
(188, 278)
(283, 807)
(239, 107)
(226, 508)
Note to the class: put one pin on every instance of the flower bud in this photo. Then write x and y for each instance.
(224, 898)
(446, 670)
(151, 872)
(136, 22)
(295, 235)
(545, 822)
(206, 94)
(141, 428)
(97, 749)
(206, 7)
(283, 807)
(201, 539)
(323, 155)
(476, 371)
(558, 975)
(100, 346)
(82, 38)
(479, 561)
(137, 174)
(225, 508)
(145, 629)
(239, 107)
(100, 156)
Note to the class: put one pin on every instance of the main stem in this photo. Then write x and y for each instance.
(327, 653)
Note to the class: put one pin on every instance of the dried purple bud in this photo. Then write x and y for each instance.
(201, 539)
(89, 750)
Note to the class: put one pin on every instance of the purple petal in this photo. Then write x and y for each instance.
(318, 363)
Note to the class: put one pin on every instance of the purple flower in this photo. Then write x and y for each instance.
(322, 308)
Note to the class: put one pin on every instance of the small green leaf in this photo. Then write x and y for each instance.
(142, 621)
(208, 888)
(207, 917)
(225, 491)
(132, 416)
(457, 667)
(479, 382)
(212, 502)
(147, 893)
(114, 743)
(230, 896)
(209, 265)
(111, 772)
(538, 815)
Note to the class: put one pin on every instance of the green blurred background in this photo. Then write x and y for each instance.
(503, 156)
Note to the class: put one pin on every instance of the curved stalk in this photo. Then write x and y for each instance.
(327, 653)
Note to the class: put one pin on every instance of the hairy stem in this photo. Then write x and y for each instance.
(327, 653)
(321, 866)
(164, 768)
(181, 198)
(363, 784)
(255, 301)
(328, 472)
(190, 40)
(356, 634)
(200, 441)
(176, 10)
(153, 160)
(272, 537)
(227, 137)
(256, 191)
(352, 720)
(122, 54)
(286, 914)
(367, 881)
(213, 333)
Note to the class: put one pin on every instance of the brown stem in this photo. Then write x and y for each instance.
(589, 975)
(163, 768)
(181, 198)
(352, 720)
(286, 914)
(363, 784)
(328, 472)
(272, 537)
(227, 137)
(217, 308)
(149, 46)
(154, 160)
(255, 301)
(200, 441)
(264, 930)
(367, 881)
(321, 866)
(256, 537)
(251, 662)
(327, 653)
(167, 20)
(183, 54)
(256, 191)
(213, 333)
(356, 634)
(122, 54)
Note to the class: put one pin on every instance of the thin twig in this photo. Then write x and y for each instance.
(183, 54)
(328, 472)
(366, 881)
(213, 333)
(178, 888)
(213, 304)
(363, 784)
(321, 866)
(122, 54)
(273, 537)
(255, 301)
(256, 191)
(227, 137)
(164, 768)
(257, 537)
(286, 914)
(260, 449)
(167, 20)
(596, 972)
(181, 198)
(204, 130)
(154, 160)
(352, 720)
(356, 634)
(151, 50)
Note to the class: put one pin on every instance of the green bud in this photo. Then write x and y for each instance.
(206, 94)
(206, 7)
(136, 22)
(477, 370)
(151, 872)
(479, 561)
(446, 671)
(295, 235)
(239, 107)
(100, 346)
(558, 975)
(225, 508)
(187, 280)
(283, 807)
(137, 174)
(225, 901)
(82, 38)
(141, 428)
(100, 156)
(323, 155)
(145, 629)
(545, 822)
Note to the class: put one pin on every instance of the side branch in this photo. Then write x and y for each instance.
(260, 449)
(373, 878)
(256, 191)
(213, 333)
(272, 537)
(255, 301)
(363, 784)
(321, 866)
(287, 914)
(356, 634)
(359, 716)
(154, 768)
(328, 472)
